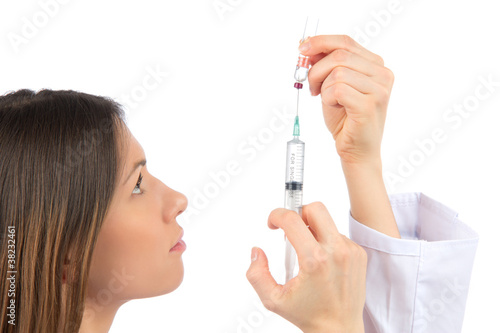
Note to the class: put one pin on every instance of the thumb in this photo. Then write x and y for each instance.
(260, 278)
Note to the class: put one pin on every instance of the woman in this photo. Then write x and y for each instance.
(93, 228)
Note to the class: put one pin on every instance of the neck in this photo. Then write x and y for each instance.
(97, 318)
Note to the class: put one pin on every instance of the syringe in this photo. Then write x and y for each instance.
(295, 164)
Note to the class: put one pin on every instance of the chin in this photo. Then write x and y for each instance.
(158, 284)
(174, 279)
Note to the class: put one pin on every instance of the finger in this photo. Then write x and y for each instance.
(343, 94)
(295, 230)
(357, 80)
(317, 57)
(341, 58)
(320, 221)
(260, 278)
(328, 43)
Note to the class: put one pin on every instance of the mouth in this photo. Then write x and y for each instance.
(180, 245)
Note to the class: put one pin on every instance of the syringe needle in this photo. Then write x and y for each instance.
(298, 90)
(296, 127)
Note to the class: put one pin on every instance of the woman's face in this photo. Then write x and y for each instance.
(138, 253)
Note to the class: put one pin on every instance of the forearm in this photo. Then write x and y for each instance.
(369, 200)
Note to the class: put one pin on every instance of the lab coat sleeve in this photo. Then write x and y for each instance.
(418, 283)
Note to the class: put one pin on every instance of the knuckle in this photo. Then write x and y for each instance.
(347, 41)
(384, 94)
(342, 255)
(318, 262)
(322, 257)
(338, 74)
(328, 99)
(320, 254)
(380, 60)
(382, 98)
(388, 75)
(310, 265)
(339, 91)
(252, 276)
(357, 253)
(336, 94)
(340, 55)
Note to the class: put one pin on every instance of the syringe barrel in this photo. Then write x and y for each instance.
(295, 161)
(294, 175)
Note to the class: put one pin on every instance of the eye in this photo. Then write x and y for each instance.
(137, 188)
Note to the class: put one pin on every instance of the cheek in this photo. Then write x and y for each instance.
(132, 258)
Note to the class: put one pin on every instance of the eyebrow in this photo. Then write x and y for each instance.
(136, 165)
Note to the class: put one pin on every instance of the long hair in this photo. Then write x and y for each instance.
(59, 161)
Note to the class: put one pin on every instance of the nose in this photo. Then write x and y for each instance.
(181, 202)
(175, 204)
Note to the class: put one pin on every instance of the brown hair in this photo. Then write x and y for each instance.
(59, 161)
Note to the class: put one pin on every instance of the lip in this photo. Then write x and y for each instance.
(180, 245)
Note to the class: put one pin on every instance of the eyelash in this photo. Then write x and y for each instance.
(138, 185)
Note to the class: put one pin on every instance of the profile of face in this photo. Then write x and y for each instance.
(139, 247)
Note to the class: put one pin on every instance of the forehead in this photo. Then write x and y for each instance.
(131, 151)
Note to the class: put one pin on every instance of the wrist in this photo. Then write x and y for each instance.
(372, 167)
(335, 327)
(370, 204)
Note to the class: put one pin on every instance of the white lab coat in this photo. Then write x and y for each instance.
(418, 283)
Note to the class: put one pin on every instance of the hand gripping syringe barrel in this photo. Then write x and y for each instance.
(293, 192)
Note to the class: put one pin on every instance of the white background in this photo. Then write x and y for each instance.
(228, 73)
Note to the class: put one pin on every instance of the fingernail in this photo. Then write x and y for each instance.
(304, 46)
(255, 253)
